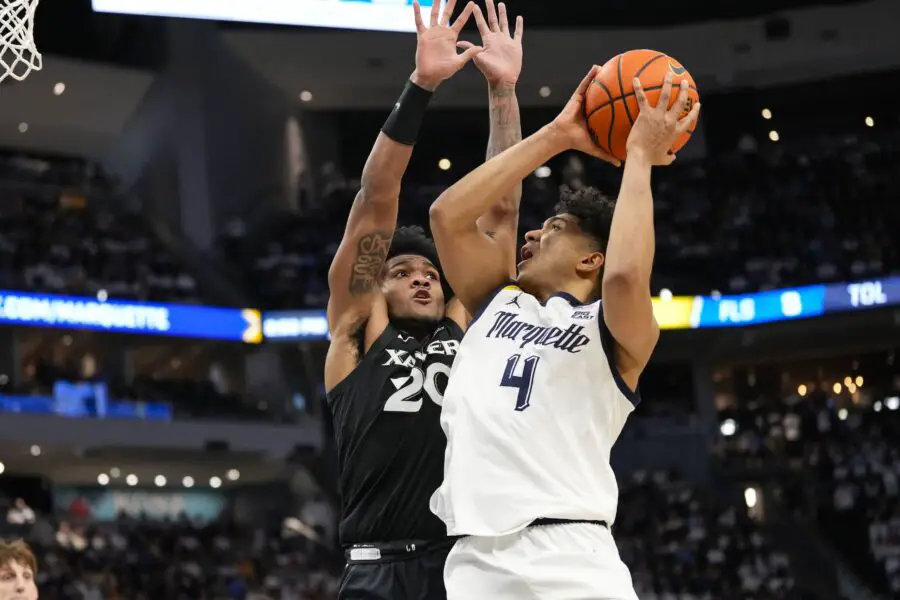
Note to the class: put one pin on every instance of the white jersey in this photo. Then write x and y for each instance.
(531, 412)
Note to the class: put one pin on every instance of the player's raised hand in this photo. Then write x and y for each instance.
(501, 61)
(657, 127)
(436, 55)
(572, 125)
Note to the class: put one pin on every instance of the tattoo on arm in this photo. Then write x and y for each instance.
(371, 252)
(506, 128)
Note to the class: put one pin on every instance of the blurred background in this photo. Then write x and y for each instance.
(174, 183)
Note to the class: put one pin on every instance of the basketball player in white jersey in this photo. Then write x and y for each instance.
(547, 374)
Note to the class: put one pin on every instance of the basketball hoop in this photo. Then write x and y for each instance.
(18, 54)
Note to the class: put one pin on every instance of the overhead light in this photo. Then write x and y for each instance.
(35, 450)
(306, 96)
(542, 172)
(836, 388)
(728, 427)
(801, 389)
(847, 381)
(131, 479)
(23, 127)
(102, 295)
(233, 475)
(870, 122)
(159, 480)
(544, 91)
(188, 481)
(665, 294)
(773, 135)
(59, 88)
(750, 497)
(715, 294)
(859, 381)
(103, 479)
(2, 468)
(766, 114)
(115, 472)
(444, 164)
(215, 482)
(842, 414)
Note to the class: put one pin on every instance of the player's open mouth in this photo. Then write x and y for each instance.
(422, 297)
(525, 255)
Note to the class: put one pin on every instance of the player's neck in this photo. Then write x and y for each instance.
(417, 328)
(580, 290)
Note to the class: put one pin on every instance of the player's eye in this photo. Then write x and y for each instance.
(431, 275)
(400, 273)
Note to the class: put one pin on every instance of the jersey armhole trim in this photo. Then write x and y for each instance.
(490, 298)
(380, 344)
(454, 327)
(609, 348)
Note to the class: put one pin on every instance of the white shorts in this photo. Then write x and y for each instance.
(577, 561)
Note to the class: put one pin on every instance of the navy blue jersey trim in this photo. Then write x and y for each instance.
(609, 348)
(488, 300)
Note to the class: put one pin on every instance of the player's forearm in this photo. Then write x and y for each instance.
(384, 170)
(460, 206)
(631, 245)
(506, 131)
(389, 159)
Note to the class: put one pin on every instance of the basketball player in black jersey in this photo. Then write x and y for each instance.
(395, 333)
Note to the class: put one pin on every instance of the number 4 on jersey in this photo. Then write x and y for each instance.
(521, 382)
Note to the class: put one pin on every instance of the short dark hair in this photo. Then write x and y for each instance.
(591, 208)
(412, 239)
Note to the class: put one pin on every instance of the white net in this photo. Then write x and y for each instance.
(18, 54)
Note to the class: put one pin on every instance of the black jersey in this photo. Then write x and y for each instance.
(389, 439)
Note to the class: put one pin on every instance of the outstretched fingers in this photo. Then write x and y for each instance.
(448, 12)
(417, 11)
(435, 13)
(470, 9)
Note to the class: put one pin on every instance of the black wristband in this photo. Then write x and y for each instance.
(404, 122)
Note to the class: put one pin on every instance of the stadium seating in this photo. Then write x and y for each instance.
(848, 445)
(55, 238)
(748, 220)
(681, 544)
(136, 559)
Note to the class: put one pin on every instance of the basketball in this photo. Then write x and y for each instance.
(611, 107)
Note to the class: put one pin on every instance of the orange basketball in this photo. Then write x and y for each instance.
(611, 107)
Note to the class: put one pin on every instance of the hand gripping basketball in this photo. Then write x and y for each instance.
(656, 128)
(572, 125)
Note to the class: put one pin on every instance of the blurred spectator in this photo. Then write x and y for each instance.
(20, 513)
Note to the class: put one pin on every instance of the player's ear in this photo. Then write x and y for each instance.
(590, 263)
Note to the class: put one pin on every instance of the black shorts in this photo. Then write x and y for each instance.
(396, 571)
